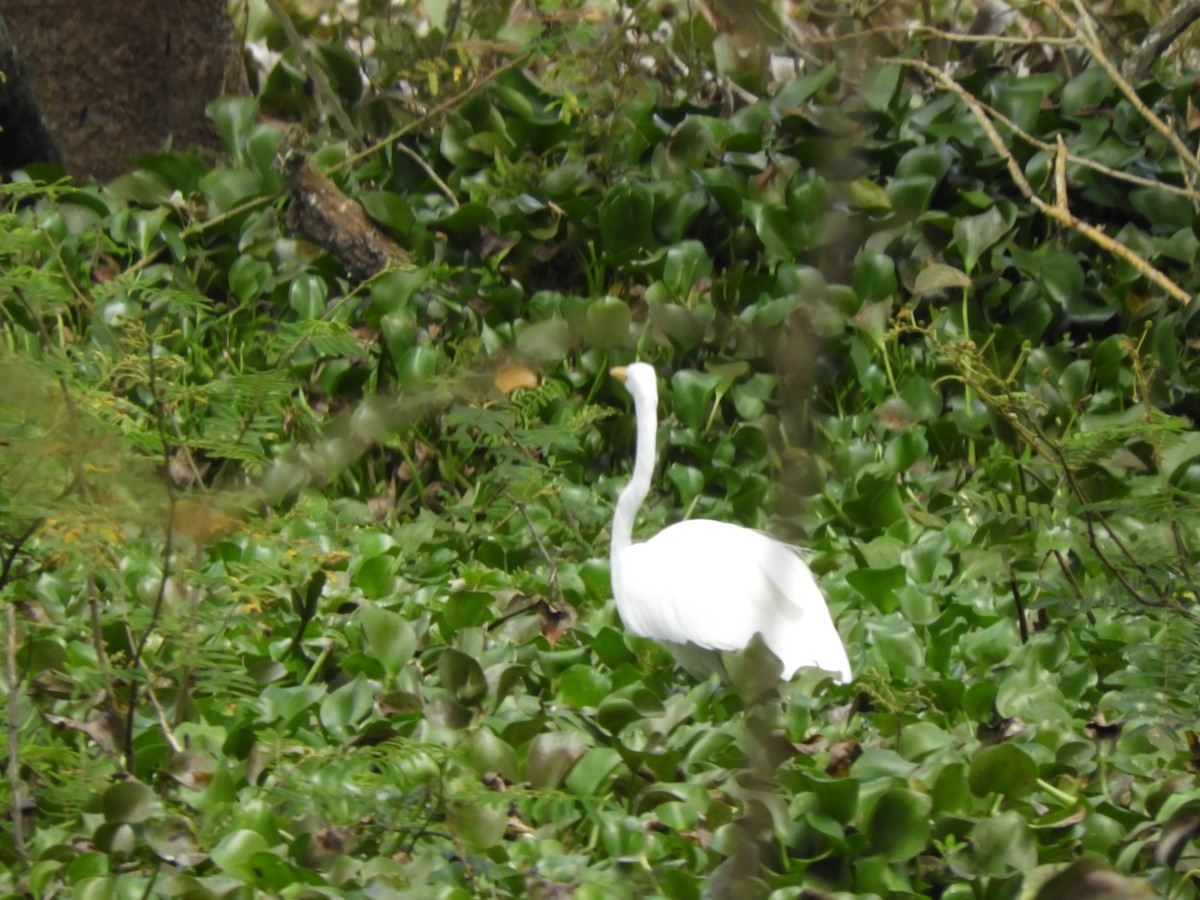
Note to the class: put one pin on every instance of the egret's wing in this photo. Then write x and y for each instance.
(715, 585)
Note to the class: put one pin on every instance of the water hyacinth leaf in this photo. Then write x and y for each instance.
(881, 86)
(228, 188)
(691, 393)
(1003, 844)
(234, 853)
(626, 218)
(875, 277)
(1166, 212)
(1021, 100)
(468, 219)
(688, 481)
(390, 210)
(485, 751)
(544, 342)
(583, 686)
(462, 676)
(248, 278)
(480, 823)
(551, 756)
(900, 824)
(679, 323)
(921, 739)
(686, 263)
(878, 763)
(348, 705)
(392, 292)
(130, 802)
(307, 295)
(607, 323)
(973, 235)
(1003, 769)
(862, 193)
(940, 277)
(173, 841)
(390, 636)
(589, 774)
(235, 117)
(911, 195)
(1086, 91)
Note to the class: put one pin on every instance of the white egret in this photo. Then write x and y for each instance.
(701, 586)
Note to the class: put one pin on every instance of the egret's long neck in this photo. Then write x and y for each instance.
(632, 495)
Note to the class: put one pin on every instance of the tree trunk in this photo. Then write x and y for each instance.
(114, 81)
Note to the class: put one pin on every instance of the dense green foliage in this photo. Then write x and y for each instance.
(306, 597)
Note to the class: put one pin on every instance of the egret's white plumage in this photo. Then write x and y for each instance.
(710, 586)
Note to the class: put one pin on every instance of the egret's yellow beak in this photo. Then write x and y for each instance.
(618, 372)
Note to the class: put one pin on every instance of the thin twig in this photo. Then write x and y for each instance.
(537, 539)
(433, 112)
(1087, 36)
(1061, 215)
(1021, 623)
(428, 170)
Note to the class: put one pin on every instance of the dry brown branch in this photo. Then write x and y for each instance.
(1087, 37)
(1161, 36)
(1189, 192)
(1059, 213)
(910, 30)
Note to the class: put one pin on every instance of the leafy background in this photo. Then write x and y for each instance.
(305, 577)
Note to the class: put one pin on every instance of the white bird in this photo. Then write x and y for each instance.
(701, 586)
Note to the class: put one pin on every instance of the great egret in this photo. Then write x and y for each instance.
(701, 586)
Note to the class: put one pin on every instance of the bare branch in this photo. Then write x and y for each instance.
(1161, 36)
(1056, 211)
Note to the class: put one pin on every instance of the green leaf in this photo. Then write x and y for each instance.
(687, 480)
(940, 277)
(391, 210)
(235, 851)
(691, 394)
(462, 676)
(584, 686)
(248, 278)
(1003, 769)
(911, 195)
(880, 86)
(348, 705)
(544, 342)
(391, 637)
(307, 295)
(626, 218)
(480, 823)
(862, 193)
(875, 277)
(1003, 844)
(130, 801)
(1086, 92)
(685, 264)
(551, 757)
(900, 824)
(973, 235)
(607, 324)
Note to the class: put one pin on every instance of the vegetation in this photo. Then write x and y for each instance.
(305, 575)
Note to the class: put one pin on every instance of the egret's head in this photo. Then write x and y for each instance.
(639, 379)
